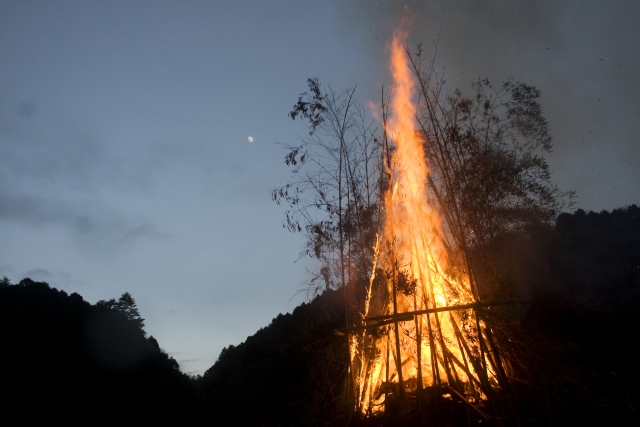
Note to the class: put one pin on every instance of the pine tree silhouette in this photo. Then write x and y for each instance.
(127, 305)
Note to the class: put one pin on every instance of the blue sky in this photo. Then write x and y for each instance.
(124, 158)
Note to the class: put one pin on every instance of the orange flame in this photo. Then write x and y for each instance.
(428, 350)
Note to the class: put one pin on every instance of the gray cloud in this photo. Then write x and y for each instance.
(57, 173)
(581, 54)
(185, 365)
(7, 271)
(40, 274)
(51, 155)
(57, 278)
(189, 360)
(96, 223)
(26, 109)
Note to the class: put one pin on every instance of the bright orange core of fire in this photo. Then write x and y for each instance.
(430, 349)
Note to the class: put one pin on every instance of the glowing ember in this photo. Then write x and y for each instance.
(413, 272)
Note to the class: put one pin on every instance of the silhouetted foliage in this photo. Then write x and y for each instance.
(311, 106)
(487, 170)
(572, 349)
(288, 373)
(60, 352)
(332, 194)
(125, 305)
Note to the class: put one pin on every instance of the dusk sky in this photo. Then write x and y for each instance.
(125, 159)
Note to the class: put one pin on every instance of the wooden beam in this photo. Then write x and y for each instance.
(409, 315)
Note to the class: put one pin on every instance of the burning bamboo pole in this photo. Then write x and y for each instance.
(422, 286)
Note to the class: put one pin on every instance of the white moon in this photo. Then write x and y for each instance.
(250, 139)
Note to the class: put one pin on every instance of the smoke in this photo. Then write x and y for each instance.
(471, 36)
(581, 55)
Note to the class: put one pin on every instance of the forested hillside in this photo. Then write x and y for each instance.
(64, 358)
(289, 373)
(579, 330)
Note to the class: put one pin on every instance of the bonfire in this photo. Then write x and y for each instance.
(421, 337)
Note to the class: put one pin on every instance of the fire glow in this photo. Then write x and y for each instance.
(414, 335)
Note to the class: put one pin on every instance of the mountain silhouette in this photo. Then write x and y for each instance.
(66, 359)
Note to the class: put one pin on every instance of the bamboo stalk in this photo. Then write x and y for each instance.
(419, 357)
(397, 336)
(409, 315)
(449, 308)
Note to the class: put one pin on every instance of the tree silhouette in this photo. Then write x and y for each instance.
(487, 172)
(125, 305)
(66, 359)
(332, 195)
